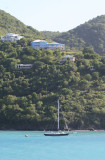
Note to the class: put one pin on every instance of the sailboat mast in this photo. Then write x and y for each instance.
(58, 114)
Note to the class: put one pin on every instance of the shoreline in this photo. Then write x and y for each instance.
(74, 130)
(90, 130)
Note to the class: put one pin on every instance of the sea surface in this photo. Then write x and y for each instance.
(80, 145)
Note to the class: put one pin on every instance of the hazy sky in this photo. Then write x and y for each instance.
(54, 15)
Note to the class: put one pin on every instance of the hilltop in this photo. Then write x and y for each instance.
(89, 34)
(10, 24)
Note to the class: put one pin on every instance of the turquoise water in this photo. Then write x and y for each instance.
(80, 145)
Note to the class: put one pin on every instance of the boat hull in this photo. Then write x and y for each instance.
(56, 134)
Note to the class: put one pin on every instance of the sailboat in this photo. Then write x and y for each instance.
(58, 133)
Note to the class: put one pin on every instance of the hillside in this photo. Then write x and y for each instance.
(9, 24)
(91, 33)
(28, 97)
(50, 34)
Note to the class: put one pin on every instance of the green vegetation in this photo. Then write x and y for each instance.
(50, 35)
(28, 98)
(89, 34)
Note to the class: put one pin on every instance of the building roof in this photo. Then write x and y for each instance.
(11, 34)
(24, 64)
(38, 40)
(68, 56)
(53, 43)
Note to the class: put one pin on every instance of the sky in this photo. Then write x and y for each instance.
(54, 15)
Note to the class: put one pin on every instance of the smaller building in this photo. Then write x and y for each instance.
(24, 66)
(71, 58)
(92, 68)
(11, 37)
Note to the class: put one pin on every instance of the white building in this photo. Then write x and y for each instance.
(24, 66)
(11, 37)
(71, 58)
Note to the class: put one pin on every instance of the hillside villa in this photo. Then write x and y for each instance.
(11, 37)
(42, 44)
(71, 58)
(24, 66)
